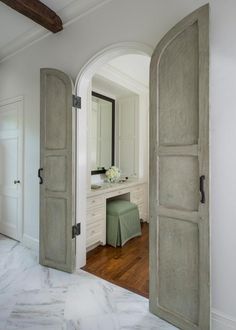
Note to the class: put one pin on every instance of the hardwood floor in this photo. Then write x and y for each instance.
(126, 266)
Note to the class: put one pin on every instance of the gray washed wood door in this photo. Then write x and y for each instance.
(57, 248)
(179, 156)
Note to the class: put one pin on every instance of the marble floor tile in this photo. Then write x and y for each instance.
(34, 297)
(38, 309)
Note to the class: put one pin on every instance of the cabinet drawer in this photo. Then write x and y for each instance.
(137, 198)
(93, 240)
(96, 215)
(94, 202)
(139, 189)
(142, 212)
(117, 193)
(94, 234)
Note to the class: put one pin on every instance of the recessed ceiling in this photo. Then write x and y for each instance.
(134, 66)
(17, 31)
(108, 87)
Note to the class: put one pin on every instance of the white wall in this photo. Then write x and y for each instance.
(112, 23)
(223, 157)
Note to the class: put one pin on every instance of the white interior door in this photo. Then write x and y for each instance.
(179, 175)
(11, 157)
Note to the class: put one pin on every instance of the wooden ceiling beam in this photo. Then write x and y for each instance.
(38, 12)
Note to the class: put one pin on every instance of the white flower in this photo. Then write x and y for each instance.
(113, 174)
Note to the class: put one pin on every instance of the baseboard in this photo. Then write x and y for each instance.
(221, 321)
(30, 242)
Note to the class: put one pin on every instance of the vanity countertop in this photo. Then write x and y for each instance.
(107, 187)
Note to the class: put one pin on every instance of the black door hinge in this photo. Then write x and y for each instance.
(76, 101)
(76, 230)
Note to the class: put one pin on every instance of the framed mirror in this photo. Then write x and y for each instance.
(102, 133)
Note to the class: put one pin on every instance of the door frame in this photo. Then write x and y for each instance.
(20, 100)
(82, 89)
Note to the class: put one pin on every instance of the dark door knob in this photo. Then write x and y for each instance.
(16, 181)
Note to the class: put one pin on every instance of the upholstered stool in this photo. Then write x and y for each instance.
(122, 222)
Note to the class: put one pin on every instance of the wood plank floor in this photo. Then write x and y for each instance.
(126, 266)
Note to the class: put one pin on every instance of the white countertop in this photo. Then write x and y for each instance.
(107, 187)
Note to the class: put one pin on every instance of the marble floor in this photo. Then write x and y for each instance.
(36, 297)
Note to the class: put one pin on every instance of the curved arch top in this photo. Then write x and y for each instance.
(107, 54)
(201, 14)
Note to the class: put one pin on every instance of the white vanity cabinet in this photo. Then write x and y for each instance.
(135, 191)
(96, 226)
(138, 195)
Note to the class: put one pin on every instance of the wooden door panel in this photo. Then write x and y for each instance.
(179, 156)
(179, 280)
(56, 173)
(56, 98)
(179, 182)
(57, 214)
(178, 103)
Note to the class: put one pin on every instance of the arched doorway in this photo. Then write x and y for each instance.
(82, 89)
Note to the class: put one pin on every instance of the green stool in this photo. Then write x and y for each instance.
(122, 222)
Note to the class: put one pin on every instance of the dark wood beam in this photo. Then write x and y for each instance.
(38, 12)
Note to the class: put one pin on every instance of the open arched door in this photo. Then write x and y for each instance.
(179, 174)
(58, 227)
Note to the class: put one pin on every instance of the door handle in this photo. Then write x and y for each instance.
(39, 175)
(16, 181)
(202, 191)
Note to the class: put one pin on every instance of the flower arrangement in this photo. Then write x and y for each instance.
(113, 174)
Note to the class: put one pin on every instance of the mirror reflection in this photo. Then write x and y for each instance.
(102, 132)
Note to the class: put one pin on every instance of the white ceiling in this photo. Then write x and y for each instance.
(12, 25)
(57, 5)
(17, 31)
